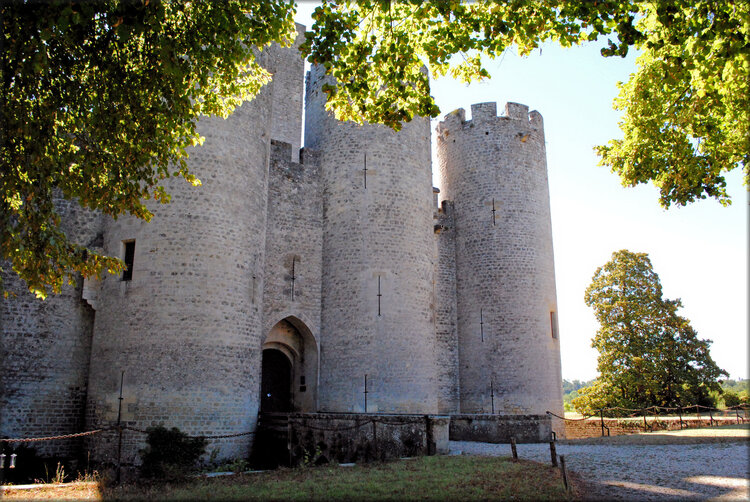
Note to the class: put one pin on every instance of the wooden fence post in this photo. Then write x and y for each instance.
(513, 448)
(553, 453)
(564, 472)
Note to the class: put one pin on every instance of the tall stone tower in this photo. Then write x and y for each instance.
(494, 170)
(185, 328)
(45, 348)
(378, 262)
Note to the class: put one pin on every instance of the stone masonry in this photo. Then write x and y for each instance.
(293, 275)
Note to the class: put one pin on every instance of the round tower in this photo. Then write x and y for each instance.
(180, 334)
(494, 169)
(45, 348)
(377, 319)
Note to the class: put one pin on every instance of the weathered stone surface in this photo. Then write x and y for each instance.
(363, 437)
(378, 262)
(494, 173)
(442, 308)
(501, 428)
(45, 348)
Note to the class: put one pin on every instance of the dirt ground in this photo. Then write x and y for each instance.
(692, 464)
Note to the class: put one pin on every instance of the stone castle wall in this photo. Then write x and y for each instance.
(288, 69)
(348, 272)
(377, 240)
(295, 219)
(505, 282)
(187, 329)
(446, 328)
(45, 348)
(293, 269)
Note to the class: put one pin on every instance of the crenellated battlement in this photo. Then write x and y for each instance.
(486, 114)
(483, 112)
(493, 171)
(283, 151)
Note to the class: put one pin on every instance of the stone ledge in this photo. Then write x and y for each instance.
(500, 428)
(364, 437)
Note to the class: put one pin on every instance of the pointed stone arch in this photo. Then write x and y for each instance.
(291, 337)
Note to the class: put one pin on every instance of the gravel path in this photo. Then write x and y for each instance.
(717, 471)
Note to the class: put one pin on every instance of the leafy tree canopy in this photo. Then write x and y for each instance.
(100, 98)
(687, 109)
(100, 101)
(648, 355)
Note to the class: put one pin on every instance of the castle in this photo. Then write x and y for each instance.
(297, 279)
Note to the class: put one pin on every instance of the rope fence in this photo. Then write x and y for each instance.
(639, 413)
(52, 438)
(220, 436)
(107, 429)
(662, 412)
(356, 426)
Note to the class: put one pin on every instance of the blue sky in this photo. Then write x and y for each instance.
(699, 251)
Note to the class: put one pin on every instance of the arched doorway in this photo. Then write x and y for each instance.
(289, 368)
(276, 382)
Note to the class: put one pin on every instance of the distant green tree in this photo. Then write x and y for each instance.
(648, 355)
(737, 386)
(570, 391)
(731, 398)
(592, 398)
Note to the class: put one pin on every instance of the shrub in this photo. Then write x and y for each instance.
(170, 454)
(731, 398)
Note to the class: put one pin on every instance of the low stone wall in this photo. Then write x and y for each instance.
(500, 428)
(592, 427)
(360, 437)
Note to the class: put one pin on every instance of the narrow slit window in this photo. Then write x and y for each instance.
(553, 323)
(127, 274)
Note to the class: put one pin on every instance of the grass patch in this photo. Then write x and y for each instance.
(425, 478)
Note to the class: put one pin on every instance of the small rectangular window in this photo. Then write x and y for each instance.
(553, 323)
(127, 274)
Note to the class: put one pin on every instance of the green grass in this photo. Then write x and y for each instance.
(426, 478)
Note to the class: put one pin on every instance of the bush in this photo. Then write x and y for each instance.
(731, 398)
(171, 454)
(592, 398)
